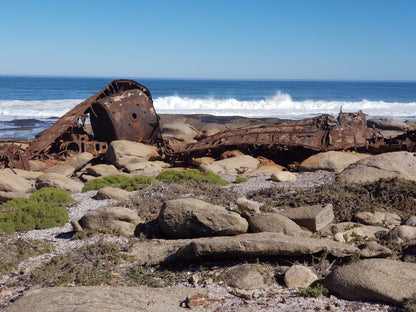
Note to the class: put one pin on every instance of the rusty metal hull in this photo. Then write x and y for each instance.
(123, 110)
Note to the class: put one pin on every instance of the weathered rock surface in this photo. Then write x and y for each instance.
(378, 218)
(5, 196)
(202, 160)
(188, 217)
(243, 277)
(109, 192)
(273, 222)
(283, 176)
(179, 131)
(233, 165)
(104, 298)
(118, 219)
(359, 232)
(147, 166)
(403, 234)
(331, 161)
(313, 217)
(261, 245)
(103, 170)
(388, 124)
(247, 207)
(299, 276)
(388, 165)
(28, 175)
(241, 246)
(10, 182)
(61, 169)
(79, 161)
(59, 181)
(411, 221)
(372, 249)
(379, 280)
(122, 152)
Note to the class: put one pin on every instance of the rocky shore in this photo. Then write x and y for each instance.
(337, 232)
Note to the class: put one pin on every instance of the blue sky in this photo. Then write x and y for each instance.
(258, 39)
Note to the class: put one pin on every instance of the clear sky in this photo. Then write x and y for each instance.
(258, 39)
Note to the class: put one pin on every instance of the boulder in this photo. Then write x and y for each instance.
(188, 217)
(403, 234)
(147, 166)
(266, 166)
(388, 124)
(411, 221)
(379, 280)
(179, 131)
(314, 218)
(109, 192)
(123, 152)
(230, 154)
(5, 196)
(202, 160)
(388, 165)
(247, 207)
(10, 182)
(331, 161)
(359, 232)
(273, 222)
(233, 165)
(244, 246)
(28, 175)
(299, 276)
(61, 169)
(378, 218)
(209, 129)
(59, 181)
(243, 277)
(118, 219)
(103, 170)
(37, 165)
(79, 161)
(283, 176)
(372, 249)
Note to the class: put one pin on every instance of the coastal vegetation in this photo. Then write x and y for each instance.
(45, 208)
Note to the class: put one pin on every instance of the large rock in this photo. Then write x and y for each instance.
(9, 182)
(273, 222)
(283, 176)
(179, 131)
(5, 196)
(111, 219)
(79, 161)
(147, 167)
(262, 244)
(313, 217)
(380, 280)
(233, 165)
(243, 277)
(387, 165)
(403, 234)
(266, 166)
(28, 175)
(378, 218)
(359, 232)
(109, 192)
(61, 169)
(105, 298)
(103, 170)
(122, 152)
(388, 124)
(242, 246)
(331, 161)
(188, 217)
(299, 276)
(59, 181)
(247, 207)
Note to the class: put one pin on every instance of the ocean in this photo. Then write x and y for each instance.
(29, 105)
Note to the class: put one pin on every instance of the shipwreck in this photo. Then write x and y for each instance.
(124, 110)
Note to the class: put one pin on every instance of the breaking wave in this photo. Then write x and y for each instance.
(280, 105)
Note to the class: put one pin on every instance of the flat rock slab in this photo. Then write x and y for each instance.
(314, 218)
(103, 298)
(379, 280)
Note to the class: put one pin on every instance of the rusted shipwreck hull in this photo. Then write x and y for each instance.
(124, 110)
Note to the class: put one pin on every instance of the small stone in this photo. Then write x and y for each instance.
(247, 207)
(195, 301)
(411, 221)
(331, 307)
(299, 276)
(243, 277)
(194, 279)
(283, 176)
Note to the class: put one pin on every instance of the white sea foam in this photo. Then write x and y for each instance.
(280, 105)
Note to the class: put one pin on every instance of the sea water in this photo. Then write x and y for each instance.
(29, 105)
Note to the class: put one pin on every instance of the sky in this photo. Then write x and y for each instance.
(216, 39)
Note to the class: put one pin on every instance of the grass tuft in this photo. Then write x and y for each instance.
(134, 183)
(191, 175)
(313, 291)
(240, 179)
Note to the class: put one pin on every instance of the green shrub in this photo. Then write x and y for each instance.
(189, 176)
(313, 291)
(120, 181)
(43, 209)
(240, 179)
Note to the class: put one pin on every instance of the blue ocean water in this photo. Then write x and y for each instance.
(30, 104)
